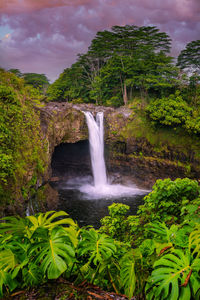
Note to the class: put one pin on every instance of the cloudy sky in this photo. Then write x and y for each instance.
(45, 36)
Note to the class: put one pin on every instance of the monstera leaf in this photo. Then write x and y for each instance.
(162, 233)
(99, 246)
(14, 225)
(54, 251)
(175, 276)
(8, 260)
(31, 275)
(194, 241)
(47, 220)
(127, 274)
(7, 281)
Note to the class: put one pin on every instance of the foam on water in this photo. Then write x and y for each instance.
(107, 191)
(100, 188)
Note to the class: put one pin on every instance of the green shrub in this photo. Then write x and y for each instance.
(192, 125)
(172, 111)
(167, 198)
(116, 224)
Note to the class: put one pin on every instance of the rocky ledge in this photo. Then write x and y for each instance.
(127, 151)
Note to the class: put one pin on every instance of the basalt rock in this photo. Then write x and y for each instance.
(132, 148)
(126, 151)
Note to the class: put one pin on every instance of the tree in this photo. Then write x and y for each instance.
(127, 39)
(119, 61)
(189, 58)
(17, 72)
(39, 81)
(130, 47)
(71, 84)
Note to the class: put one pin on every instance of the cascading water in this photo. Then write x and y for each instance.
(87, 197)
(96, 141)
(101, 187)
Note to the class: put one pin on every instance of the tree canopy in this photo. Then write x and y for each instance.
(39, 81)
(120, 62)
(189, 58)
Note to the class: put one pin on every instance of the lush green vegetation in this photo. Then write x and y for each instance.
(38, 81)
(21, 152)
(153, 255)
(120, 63)
(128, 63)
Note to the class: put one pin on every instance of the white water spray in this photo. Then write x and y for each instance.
(101, 187)
(96, 141)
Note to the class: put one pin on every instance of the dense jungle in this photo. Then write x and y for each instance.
(152, 128)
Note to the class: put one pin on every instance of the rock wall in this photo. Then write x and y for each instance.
(146, 153)
(132, 146)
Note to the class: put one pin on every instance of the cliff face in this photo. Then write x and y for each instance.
(132, 148)
(148, 154)
(65, 123)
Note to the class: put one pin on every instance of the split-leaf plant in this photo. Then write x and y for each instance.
(176, 274)
(153, 255)
(34, 249)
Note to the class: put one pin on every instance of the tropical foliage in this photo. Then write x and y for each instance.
(38, 81)
(119, 64)
(127, 63)
(20, 148)
(155, 254)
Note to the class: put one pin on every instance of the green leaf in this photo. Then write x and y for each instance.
(98, 246)
(47, 220)
(127, 274)
(32, 275)
(8, 260)
(7, 281)
(14, 225)
(171, 277)
(55, 251)
(194, 241)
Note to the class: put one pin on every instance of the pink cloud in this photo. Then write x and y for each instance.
(47, 35)
(18, 6)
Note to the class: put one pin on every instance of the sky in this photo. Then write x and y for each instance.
(45, 36)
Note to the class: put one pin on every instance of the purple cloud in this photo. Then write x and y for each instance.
(47, 35)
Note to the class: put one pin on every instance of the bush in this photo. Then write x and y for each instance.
(172, 111)
(167, 199)
(116, 223)
(192, 125)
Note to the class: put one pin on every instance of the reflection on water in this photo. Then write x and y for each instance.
(88, 208)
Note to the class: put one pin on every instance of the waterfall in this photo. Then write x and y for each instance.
(96, 141)
(102, 188)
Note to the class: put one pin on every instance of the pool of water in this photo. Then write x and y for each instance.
(78, 199)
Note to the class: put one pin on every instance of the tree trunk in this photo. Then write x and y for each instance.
(131, 93)
(125, 95)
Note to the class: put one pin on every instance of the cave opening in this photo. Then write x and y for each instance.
(71, 160)
(72, 175)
